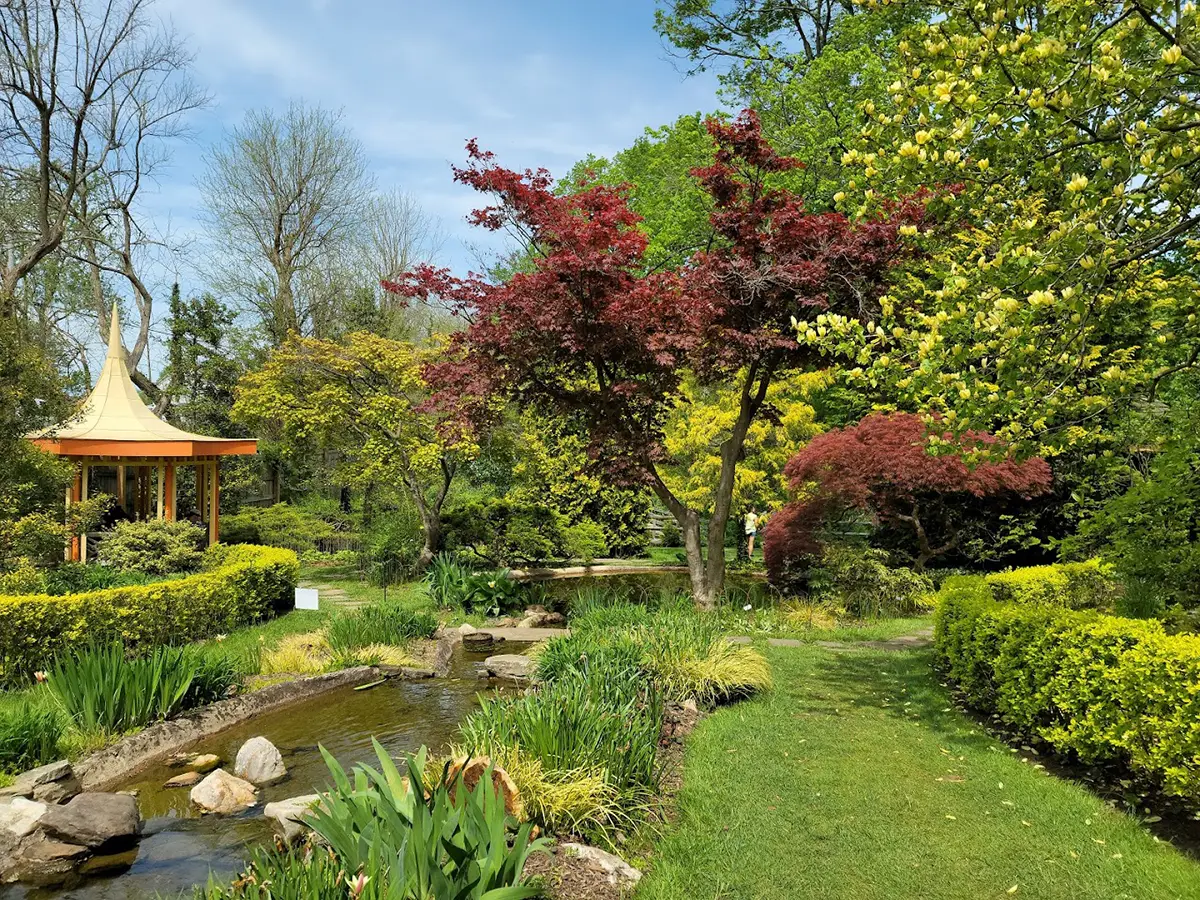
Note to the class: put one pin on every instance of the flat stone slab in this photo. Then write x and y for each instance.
(528, 635)
(918, 640)
(94, 821)
(511, 666)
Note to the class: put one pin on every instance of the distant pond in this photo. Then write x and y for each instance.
(646, 587)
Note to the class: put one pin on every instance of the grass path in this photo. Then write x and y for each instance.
(855, 780)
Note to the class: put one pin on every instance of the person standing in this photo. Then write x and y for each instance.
(751, 527)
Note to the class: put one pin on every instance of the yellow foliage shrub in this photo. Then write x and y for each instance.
(297, 654)
(1105, 688)
(238, 586)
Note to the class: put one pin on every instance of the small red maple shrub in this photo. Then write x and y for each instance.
(883, 467)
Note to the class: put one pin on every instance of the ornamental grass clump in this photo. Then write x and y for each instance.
(684, 652)
(379, 623)
(297, 654)
(100, 688)
(590, 719)
(563, 801)
(30, 734)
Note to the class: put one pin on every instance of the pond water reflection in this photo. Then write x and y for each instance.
(180, 848)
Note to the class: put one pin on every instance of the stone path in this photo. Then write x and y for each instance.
(333, 596)
(918, 640)
(514, 634)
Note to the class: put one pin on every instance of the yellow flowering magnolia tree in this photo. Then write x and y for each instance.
(362, 397)
(1059, 146)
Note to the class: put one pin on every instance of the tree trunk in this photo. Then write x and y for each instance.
(704, 595)
(431, 528)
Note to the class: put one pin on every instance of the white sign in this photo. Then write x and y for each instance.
(306, 598)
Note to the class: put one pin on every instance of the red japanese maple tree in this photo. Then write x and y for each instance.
(884, 467)
(589, 333)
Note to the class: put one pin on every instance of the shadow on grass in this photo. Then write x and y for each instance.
(906, 686)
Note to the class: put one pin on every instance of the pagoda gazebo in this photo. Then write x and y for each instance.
(122, 448)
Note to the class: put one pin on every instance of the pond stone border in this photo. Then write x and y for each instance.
(114, 765)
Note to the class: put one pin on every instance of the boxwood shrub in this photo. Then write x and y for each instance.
(1097, 687)
(1090, 584)
(237, 586)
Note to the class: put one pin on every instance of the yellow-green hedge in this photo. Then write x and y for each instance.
(1103, 688)
(239, 585)
(1075, 585)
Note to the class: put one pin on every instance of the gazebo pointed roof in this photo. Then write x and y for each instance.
(114, 421)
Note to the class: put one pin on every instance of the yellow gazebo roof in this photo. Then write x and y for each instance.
(115, 422)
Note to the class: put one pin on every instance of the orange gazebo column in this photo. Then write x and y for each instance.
(214, 500)
(74, 495)
(169, 492)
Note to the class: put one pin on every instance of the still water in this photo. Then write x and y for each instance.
(648, 587)
(179, 847)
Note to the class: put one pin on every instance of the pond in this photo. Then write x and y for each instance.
(642, 587)
(179, 847)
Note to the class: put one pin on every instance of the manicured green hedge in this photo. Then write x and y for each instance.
(239, 585)
(1103, 688)
(1076, 585)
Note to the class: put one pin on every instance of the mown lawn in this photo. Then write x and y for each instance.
(855, 780)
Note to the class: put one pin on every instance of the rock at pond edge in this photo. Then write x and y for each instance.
(223, 793)
(95, 820)
(618, 872)
(259, 762)
(512, 666)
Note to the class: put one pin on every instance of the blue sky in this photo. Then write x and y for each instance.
(541, 83)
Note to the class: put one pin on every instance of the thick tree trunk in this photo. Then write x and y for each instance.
(431, 528)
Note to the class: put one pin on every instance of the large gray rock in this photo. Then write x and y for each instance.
(287, 816)
(223, 793)
(58, 791)
(108, 821)
(259, 762)
(44, 862)
(510, 666)
(28, 782)
(617, 871)
(20, 816)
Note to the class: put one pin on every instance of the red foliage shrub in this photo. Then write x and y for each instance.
(790, 540)
(883, 467)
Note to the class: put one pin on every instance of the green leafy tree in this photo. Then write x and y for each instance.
(703, 414)
(363, 398)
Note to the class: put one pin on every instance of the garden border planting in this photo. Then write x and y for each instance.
(240, 585)
(1103, 688)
